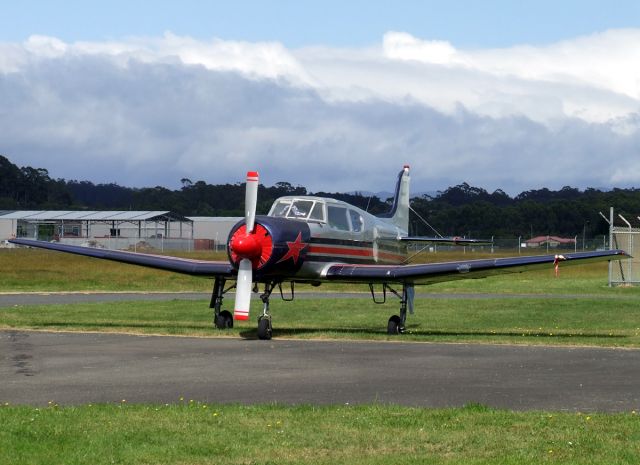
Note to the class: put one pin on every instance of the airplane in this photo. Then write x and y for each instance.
(311, 240)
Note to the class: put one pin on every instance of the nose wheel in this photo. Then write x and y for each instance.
(265, 329)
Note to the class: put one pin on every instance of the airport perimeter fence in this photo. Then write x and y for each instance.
(625, 272)
(627, 237)
(519, 246)
(134, 243)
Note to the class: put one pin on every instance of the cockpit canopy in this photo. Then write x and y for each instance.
(317, 210)
(299, 209)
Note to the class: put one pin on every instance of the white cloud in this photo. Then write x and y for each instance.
(147, 111)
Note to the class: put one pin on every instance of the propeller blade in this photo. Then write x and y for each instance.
(251, 200)
(243, 290)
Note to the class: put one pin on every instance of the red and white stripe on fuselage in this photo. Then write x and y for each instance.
(351, 252)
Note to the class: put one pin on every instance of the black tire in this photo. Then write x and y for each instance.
(224, 320)
(264, 329)
(395, 325)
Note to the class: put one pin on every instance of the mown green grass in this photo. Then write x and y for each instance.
(187, 432)
(594, 315)
(195, 433)
(34, 270)
(598, 321)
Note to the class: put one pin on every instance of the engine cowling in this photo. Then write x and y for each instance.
(276, 246)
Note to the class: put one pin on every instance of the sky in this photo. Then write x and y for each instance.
(335, 96)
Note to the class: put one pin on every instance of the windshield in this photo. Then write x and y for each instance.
(280, 208)
(301, 209)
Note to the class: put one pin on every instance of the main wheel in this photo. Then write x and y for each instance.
(224, 320)
(264, 329)
(395, 325)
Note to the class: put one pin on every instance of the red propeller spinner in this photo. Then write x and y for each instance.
(256, 246)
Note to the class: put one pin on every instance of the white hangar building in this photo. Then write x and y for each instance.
(118, 229)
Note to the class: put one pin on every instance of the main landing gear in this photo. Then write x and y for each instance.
(222, 319)
(396, 324)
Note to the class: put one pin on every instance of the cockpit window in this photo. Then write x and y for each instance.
(317, 213)
(300, 209)
(280, 208)
(338, 218)
(356, 221)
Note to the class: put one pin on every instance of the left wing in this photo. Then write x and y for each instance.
(449, 271)
(175, 264)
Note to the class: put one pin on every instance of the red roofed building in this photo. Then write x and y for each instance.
(552, 241)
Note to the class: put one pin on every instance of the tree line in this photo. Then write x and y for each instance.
(458, 210)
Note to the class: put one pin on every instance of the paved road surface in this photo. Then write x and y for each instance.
(76, 368)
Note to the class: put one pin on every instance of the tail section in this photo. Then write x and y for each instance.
(399, 213)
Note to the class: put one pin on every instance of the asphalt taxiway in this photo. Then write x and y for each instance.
(80, 368)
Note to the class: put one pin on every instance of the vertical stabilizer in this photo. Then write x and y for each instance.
(399, 213)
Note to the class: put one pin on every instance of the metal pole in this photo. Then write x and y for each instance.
(610, 245)
(630, 246)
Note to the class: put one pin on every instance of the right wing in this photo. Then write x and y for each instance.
(175, 264)
(428, 273)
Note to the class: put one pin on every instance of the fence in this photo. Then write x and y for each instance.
(143, 244)
(517, 245)
(624, 272)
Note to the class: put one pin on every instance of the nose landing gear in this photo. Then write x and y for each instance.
(265, 329)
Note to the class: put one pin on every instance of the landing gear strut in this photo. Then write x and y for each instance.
(264, 320)
(221, 319)
(396, 324)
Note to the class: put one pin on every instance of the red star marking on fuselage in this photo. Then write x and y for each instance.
(295, 248)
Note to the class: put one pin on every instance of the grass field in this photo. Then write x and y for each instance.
(194, 433)
(597, 321)
(594, 314)
(578, 309)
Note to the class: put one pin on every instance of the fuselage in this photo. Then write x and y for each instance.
(303, 236)
(340, 233)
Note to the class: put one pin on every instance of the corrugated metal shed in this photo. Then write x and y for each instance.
(57, 215)
(57, 224)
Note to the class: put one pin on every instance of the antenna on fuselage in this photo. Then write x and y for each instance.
(425, 221)
(368, 202)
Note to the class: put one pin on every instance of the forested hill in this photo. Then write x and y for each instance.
(459, 210)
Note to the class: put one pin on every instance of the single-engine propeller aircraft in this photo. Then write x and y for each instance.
(306, 239)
